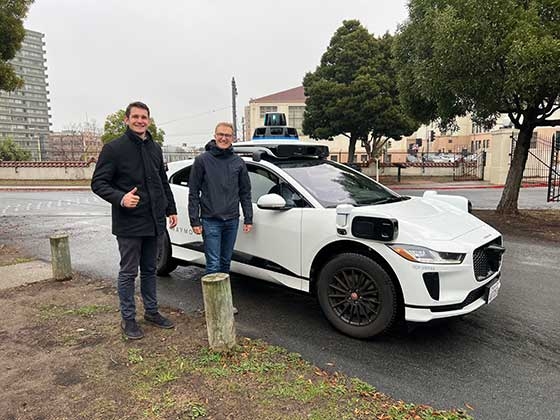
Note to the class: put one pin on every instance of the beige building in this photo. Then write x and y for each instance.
(468, 138)
(291, 102)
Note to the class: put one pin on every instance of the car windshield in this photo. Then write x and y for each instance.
(333, 184)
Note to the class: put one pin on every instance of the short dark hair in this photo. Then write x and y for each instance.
(136, 104)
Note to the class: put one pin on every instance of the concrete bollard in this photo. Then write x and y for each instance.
(60, 255)
(218, 309)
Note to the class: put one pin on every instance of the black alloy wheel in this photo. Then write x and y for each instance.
(357, 295)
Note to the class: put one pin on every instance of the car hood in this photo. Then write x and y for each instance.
(422, 218)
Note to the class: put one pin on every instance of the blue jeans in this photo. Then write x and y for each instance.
(137, 251)
(219, 239)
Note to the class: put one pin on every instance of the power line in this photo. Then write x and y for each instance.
(194, 115)
(202, 133)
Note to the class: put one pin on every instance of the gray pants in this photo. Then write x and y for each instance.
(137, 252)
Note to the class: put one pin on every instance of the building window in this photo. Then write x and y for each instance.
(334, 158)
(295, 117)
(264, 109)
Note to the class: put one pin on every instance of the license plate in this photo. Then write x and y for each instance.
(493, 291)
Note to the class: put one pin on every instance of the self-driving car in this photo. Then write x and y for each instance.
(370, 256)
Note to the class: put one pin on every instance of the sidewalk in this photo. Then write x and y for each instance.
(44, 188)
(428, 185)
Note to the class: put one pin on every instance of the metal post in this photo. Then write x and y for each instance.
(234, 107)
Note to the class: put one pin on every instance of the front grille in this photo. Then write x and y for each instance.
(487, 259)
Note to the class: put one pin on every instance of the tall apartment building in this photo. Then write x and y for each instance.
(24, 113)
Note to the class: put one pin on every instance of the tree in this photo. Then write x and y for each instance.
(353, 92)
(486, 58)
(115, 127)
(10, 151)
(12, 13)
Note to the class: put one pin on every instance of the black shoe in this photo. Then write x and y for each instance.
(131, 330)
(159, 321)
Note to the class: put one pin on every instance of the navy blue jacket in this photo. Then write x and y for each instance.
(218, 182)
(127, 162)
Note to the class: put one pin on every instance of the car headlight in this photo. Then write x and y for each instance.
(420, 254)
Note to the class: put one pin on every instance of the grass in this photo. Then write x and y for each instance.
(280, 378)
(15, 260)
(51, 311)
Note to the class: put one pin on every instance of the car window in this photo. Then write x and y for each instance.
(332, 184)
(261, 181)
(265, 182)
(181, 177)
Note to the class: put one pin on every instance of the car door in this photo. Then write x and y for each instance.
(272, 250)
(186, 245)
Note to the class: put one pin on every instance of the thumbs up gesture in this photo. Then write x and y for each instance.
(130, 199)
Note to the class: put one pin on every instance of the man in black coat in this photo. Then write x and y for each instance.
(130, 175)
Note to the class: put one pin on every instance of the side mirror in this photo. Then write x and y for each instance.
(271, 202)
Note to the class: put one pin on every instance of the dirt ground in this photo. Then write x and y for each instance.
(63, 357)
(531, 225)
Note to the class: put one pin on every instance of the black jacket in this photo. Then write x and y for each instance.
(128, 162)
(218, 182)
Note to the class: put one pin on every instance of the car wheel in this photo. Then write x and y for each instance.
(165, 262)
(357, 296)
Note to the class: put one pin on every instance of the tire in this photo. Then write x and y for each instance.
(165, 262)
(357, 296)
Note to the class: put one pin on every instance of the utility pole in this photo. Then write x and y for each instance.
(234, 107)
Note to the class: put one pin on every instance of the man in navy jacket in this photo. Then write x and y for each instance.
(218, 182)
(130, 175)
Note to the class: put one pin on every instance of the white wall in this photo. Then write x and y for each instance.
(24, 173)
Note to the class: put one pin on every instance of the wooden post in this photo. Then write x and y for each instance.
(218, 308)
(60, 254)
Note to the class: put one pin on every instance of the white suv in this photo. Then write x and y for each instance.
(370, 255)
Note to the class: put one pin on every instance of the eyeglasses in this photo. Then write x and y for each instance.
(227, 136)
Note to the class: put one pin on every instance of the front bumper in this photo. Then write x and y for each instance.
(472, 302)
(435, 291)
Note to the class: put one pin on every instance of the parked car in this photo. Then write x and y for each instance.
(412, 158)
(442, 158)
(370, 255)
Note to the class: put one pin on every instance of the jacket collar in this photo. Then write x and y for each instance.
(135, 137)
(214, 150)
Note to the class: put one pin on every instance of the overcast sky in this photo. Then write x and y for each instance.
(179, 56)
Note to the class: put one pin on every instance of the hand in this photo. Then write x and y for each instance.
(197, 230)
(130, 199)
(247, 228)
(172, 220)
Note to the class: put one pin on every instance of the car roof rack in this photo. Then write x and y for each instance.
(281, 150)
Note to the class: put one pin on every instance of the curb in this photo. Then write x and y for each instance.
(458, 187)
(43, 188)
